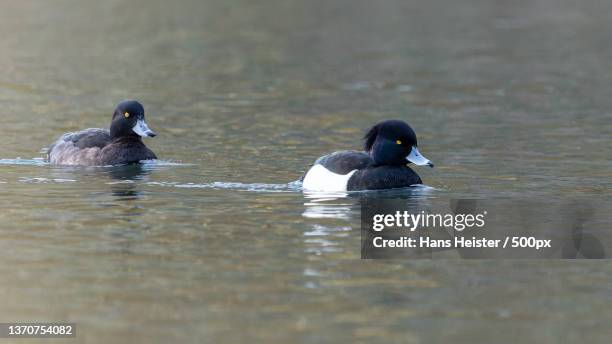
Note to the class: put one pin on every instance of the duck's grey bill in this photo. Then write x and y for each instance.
(416, 158)
(141, 128)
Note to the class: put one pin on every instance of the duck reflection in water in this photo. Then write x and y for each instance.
(326, 208)
(125, 186)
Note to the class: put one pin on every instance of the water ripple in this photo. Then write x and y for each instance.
(255, 187)
(20, 161)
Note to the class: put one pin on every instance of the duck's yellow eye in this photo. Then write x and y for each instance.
(399, 142)
(127, 115)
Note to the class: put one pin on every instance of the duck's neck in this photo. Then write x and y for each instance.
(127, 139)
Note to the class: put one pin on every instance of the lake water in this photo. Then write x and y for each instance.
(216, 244)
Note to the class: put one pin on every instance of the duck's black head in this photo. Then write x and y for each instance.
(129, 121)
(393, 142)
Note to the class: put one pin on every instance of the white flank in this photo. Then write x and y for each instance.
(319, 178)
